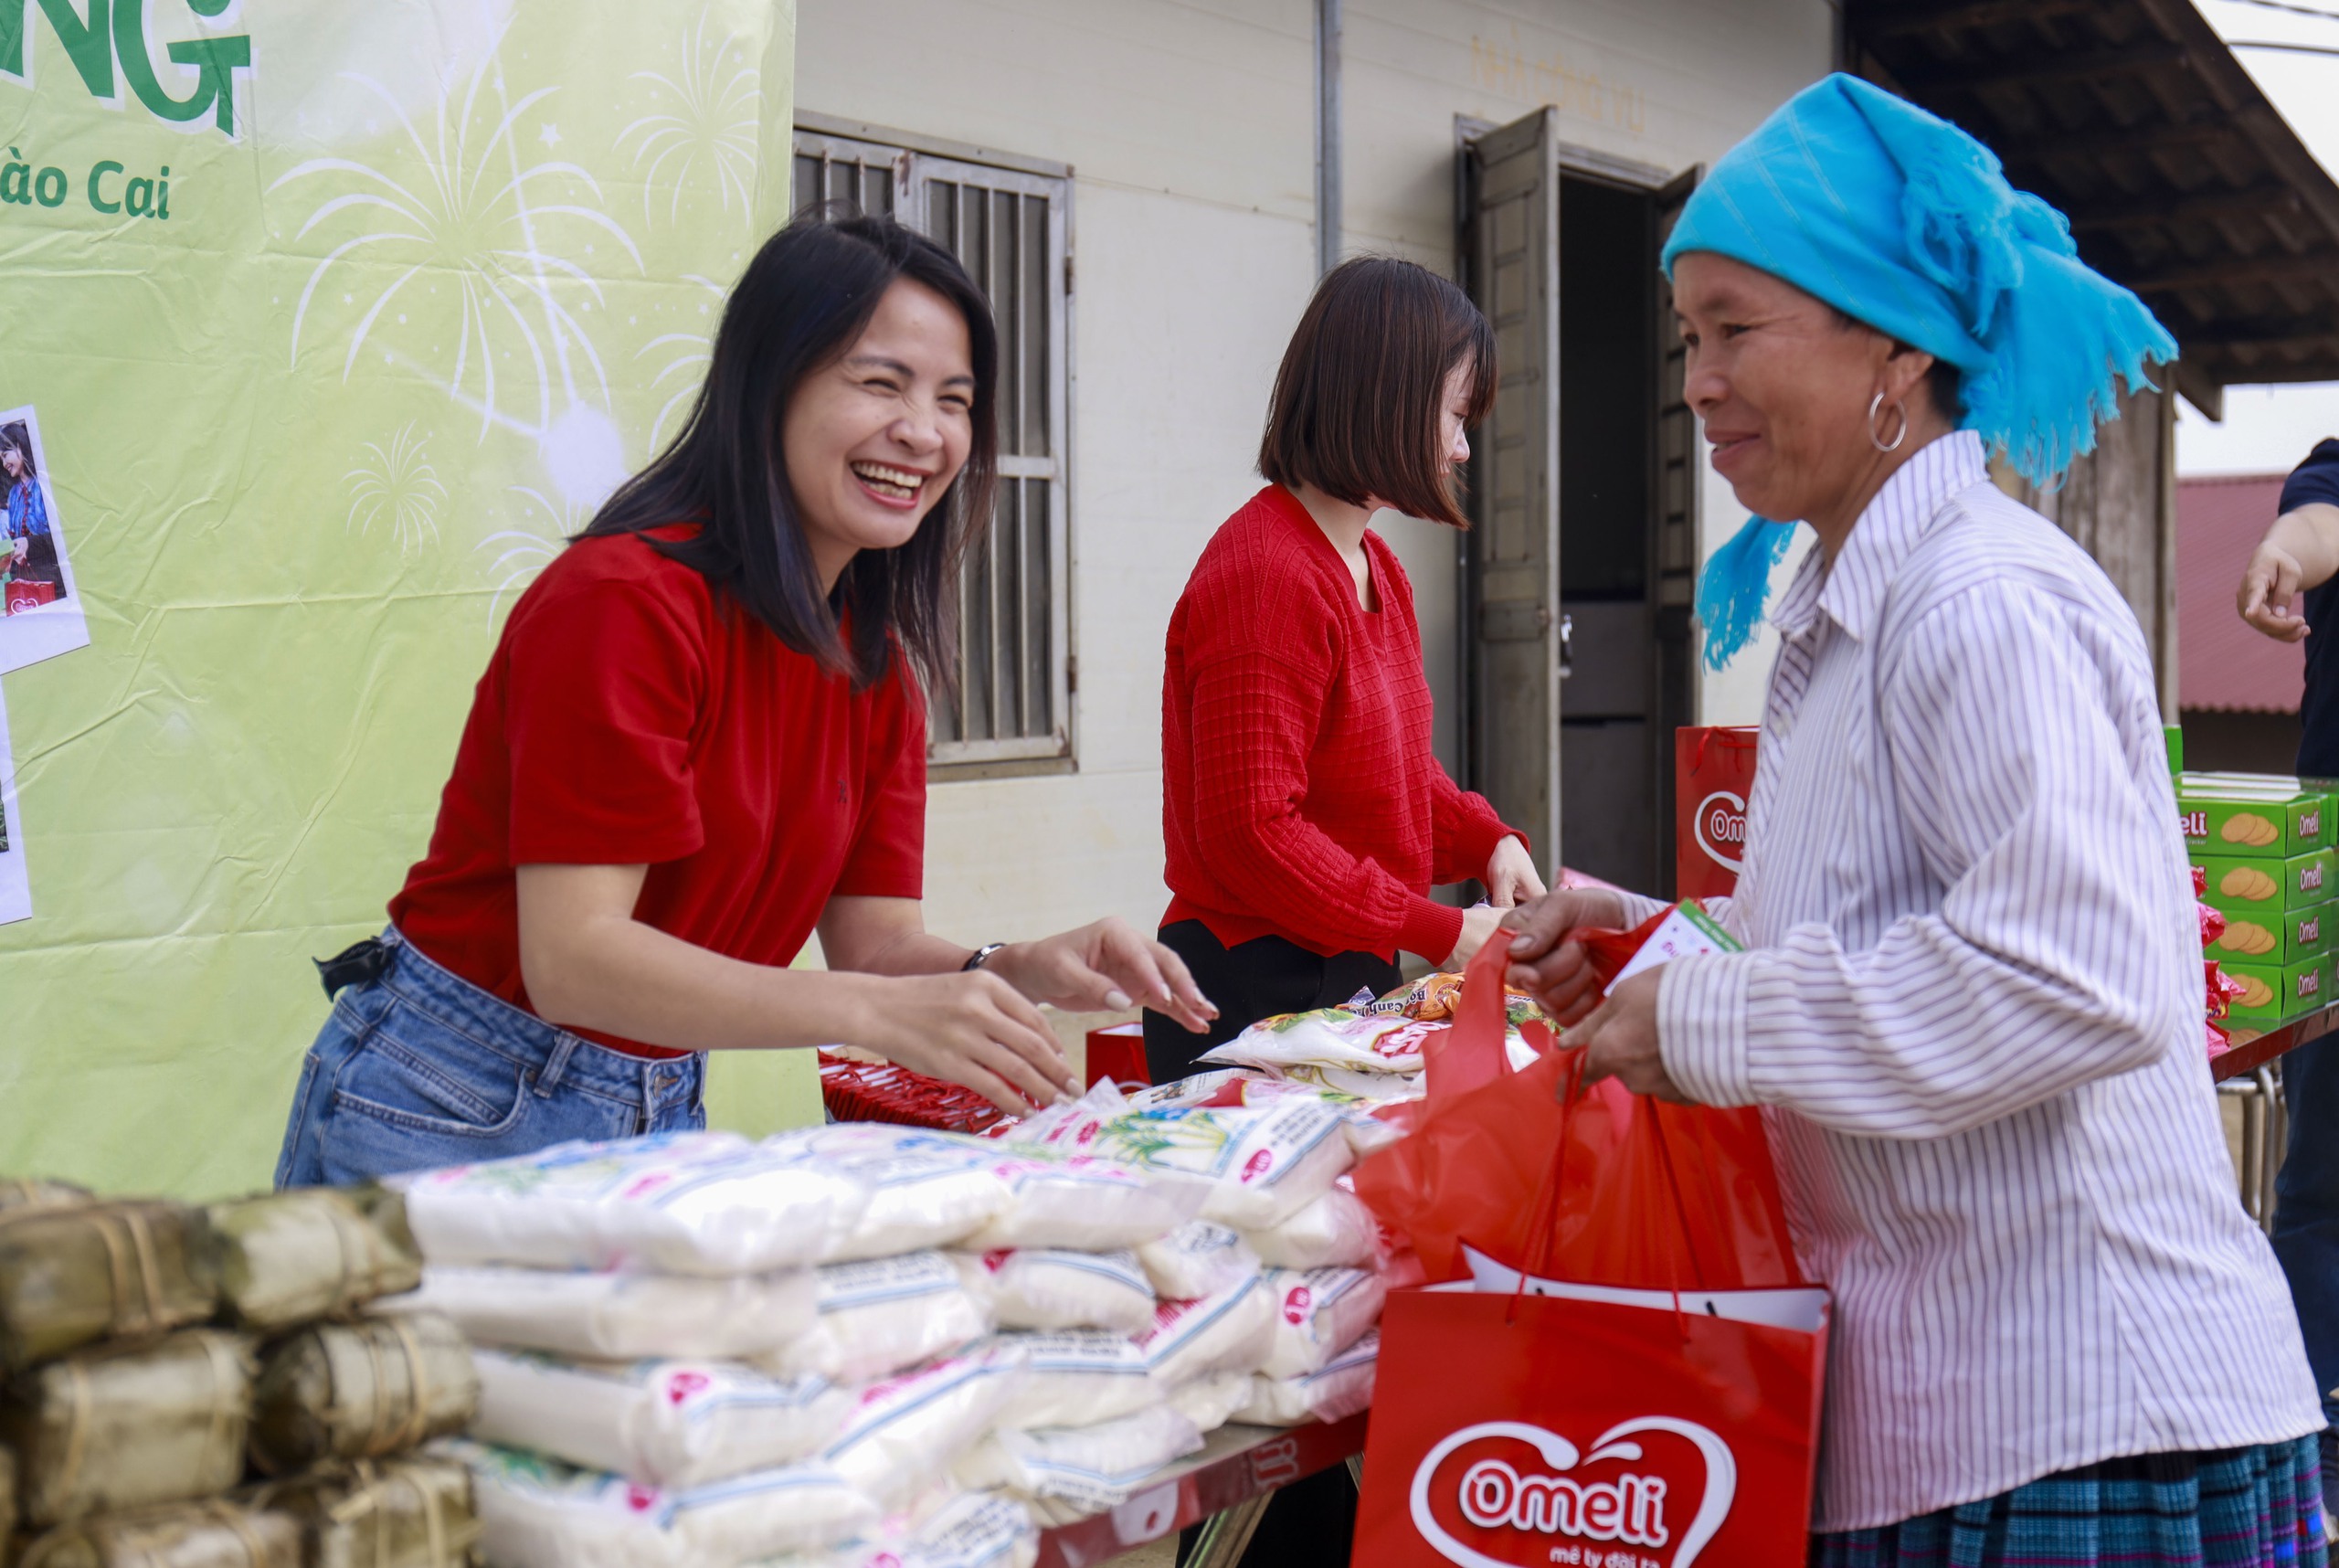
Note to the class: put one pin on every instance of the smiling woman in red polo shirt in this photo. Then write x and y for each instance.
(1306, 816)
(701, 739)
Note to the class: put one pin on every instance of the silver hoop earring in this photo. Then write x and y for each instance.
(1899, 436)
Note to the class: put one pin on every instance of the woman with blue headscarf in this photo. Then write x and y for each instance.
(1970, 997)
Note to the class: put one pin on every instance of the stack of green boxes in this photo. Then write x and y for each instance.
(2266, 844)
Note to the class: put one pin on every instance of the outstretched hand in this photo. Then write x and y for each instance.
(1620, 1040)
(1104, 967)
(1545, 963)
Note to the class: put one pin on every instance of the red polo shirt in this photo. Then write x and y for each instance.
(631, 715)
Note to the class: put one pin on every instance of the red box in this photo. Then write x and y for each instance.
(22, 596)
(1118, 1052)
(1713, 774)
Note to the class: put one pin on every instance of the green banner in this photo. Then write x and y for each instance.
(332, 320)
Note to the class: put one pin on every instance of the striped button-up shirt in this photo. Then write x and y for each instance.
(1970, 1006)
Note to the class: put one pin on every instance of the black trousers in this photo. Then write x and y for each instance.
(1310, 1522)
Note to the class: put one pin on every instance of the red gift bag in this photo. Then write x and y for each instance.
(1713, 775)
(19, 596)
(1656, 1423)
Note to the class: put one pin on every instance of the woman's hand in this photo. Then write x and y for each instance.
(2269, 584)
(1510, 874)
(1480, 923)
(1544, 962)
(1104, 966)
(1621, 1040)
(972, 1029)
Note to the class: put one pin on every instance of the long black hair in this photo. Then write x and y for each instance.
(802, 303)
(16, 438)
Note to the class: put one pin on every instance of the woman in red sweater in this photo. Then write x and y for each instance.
(701, 739)
(1305, 814)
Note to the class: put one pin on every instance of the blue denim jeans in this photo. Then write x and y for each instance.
(418, 1068)
(2306, 1208)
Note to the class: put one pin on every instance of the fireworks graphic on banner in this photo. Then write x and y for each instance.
(396, 484)
(705, 132)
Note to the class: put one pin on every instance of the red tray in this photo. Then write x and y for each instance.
(879, 1091)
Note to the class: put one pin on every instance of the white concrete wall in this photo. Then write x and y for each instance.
(1190, 127)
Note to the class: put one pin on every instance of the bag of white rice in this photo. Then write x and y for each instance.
(678, 1423)
(1336, 1231)
(1334, 1391)
(1086, 1204)
(1319, 1314)
(691, 1202)
(1199, 1258)
(541, 1513)
(617, 1316)
(1210, 1402)
(1075, 1376)
(1053, 1287)
(878, 1317)
(967, 1530)
(1233, 1331)
(906, 1430)
(1328, 1037)
(1085, 1468)
(926, 1189)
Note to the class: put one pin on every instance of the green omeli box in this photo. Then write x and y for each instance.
(2275, 936)
(2173, 735)
(2238, 815)
(2256, 888)
(2272, 992)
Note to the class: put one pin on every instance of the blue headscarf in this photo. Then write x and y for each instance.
(1902, 221)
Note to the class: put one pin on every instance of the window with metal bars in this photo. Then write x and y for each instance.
(1009, 222)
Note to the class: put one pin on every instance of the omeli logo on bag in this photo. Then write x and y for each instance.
(1720, 827)
(1473, 1482)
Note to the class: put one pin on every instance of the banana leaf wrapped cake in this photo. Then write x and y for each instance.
(73, 1274)
(358, 1390)
(128, 1425)
(289, 1258)
(411, 1512)
(211, 1534)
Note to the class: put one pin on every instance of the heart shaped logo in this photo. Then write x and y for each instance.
(1720, 827)
(1573, 1508)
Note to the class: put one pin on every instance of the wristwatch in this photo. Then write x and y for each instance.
(980, 957)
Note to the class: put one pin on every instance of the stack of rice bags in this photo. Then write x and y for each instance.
(130, 1423)
(1368, 1047)
(1274, 1158)
(699, 1349)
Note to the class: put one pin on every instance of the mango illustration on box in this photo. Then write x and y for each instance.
(1685, 930)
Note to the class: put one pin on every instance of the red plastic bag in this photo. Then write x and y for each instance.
(1485, 1140)
(1713, 774)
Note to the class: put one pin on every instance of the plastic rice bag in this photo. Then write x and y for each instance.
(1087, 1204)
(691, 1202)
(908, 1429)
(878, 1317)
(1357, 1104)
(1319, 1314)
(1233, 1331)
(1085, 1468)
(618, 1316)
(926, 1189)
(1210, 1402)
(663, 1423)
(1334, 1391)
(1336, 1231)
(537, 1512)
(1199, 1258)
(967, 1530)
(1077, 1375)
(1328, 1037)
(1053, 1287)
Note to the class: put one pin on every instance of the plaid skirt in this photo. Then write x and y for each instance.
(2243, 1508)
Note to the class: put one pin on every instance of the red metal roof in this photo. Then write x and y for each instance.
(2221, 662)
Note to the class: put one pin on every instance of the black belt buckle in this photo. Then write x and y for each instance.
(360, 963)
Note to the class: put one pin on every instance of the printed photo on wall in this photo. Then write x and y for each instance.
(40, 613)
(16, 888)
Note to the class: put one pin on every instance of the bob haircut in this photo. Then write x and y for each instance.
(801, 304)
(1357, 402)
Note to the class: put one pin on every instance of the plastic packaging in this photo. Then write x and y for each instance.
(1084, 1469)
(1210, 1402)
(126, 1427)
(1318, 1315)
(878, 1317)
(908, 1429)
(692, 1203)
(1336, 1231)
(965, 1530)
(1232, 1330)
(926, 1190)
(537, 1512)
(1077, 1375)
(1083, 1204)
(1200, 1257)
(680, 1424)
(357, 1391)
(289, 1258)
(1328, 1037)
(1053, 1287)
(1334, 1391)
(617, 1316)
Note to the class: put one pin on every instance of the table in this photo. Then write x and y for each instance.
(1227, 1483)
(2245, 1070)
(2248, 1055)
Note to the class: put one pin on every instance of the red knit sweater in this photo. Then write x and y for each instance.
(1300, 797)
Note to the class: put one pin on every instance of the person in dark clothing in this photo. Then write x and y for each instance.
(2290, 592)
